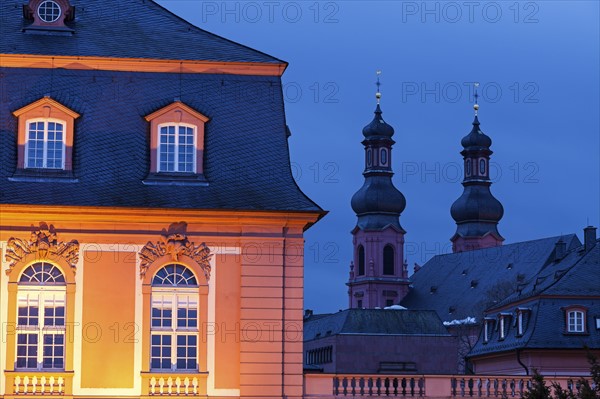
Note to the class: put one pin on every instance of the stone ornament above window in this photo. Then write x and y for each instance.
(49, 15)
(175, 243)
(43, 242)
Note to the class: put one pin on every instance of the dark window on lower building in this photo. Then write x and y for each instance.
(320, 355)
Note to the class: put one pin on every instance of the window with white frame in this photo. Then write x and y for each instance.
(575, 321)
(45, 144)
(486, 331)
(174, 324)
(177, 148)
(488, 327)
(41, 304)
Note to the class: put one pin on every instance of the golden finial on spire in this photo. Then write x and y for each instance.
(476, 105)
(378, 94)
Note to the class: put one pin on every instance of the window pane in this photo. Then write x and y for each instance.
(186, 352)
(44, 273)
(170, 275)
(27, 350)
(160, 350)
(53, 351)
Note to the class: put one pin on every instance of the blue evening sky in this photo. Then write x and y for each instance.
(538, 66)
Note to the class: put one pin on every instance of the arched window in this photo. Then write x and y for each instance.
(41, 313)
(384, 157)
(174, 325)
(361, 260)
(45, 145)
(482, 169)
(177, 148)
(388, 260)
(468, 168)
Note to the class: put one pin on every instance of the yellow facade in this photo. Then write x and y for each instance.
(248, 297)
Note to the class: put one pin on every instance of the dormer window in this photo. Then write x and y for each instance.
(45, 139)
(176, 145)
(49, 15)
(521, 320)
(576, 320)
(503, 324)
(488, 327)
(49, 11)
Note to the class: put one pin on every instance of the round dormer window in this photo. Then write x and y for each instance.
(49, 11)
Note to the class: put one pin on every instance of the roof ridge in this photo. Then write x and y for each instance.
(214, 34)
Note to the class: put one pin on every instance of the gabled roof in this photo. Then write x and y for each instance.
(123, 29)
(574, 280)
(374, 322)
(464, 284)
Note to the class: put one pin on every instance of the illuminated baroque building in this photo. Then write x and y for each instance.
(151, 231)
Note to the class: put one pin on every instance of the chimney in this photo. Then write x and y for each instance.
(307, 314)
(589, 238)
(560, 249)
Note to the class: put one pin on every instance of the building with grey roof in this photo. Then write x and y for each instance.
(550, 322)
(378, 341)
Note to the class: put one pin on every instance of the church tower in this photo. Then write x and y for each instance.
(476, 212)
(378, 273)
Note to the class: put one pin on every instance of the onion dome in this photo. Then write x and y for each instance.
(378, 204)
(378, 195)
(476, 212)
(477, 204)
(476, 138)
(378, 128)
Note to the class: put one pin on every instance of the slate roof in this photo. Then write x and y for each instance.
(246, 156)
(374, 322)
(246, 152)
(464, 284)
(123, 29)
(574, 280)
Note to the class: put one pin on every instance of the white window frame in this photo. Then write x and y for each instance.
(45, 142)
(486, 331)
(42, 294)
(576, 324)
(177, 125)
(176, 296)
(501, 324)
(520, 324)
(54, 3)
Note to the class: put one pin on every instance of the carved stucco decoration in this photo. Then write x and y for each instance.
(43, 241)
(174, 242)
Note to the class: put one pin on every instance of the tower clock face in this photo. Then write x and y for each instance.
(49, 11)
